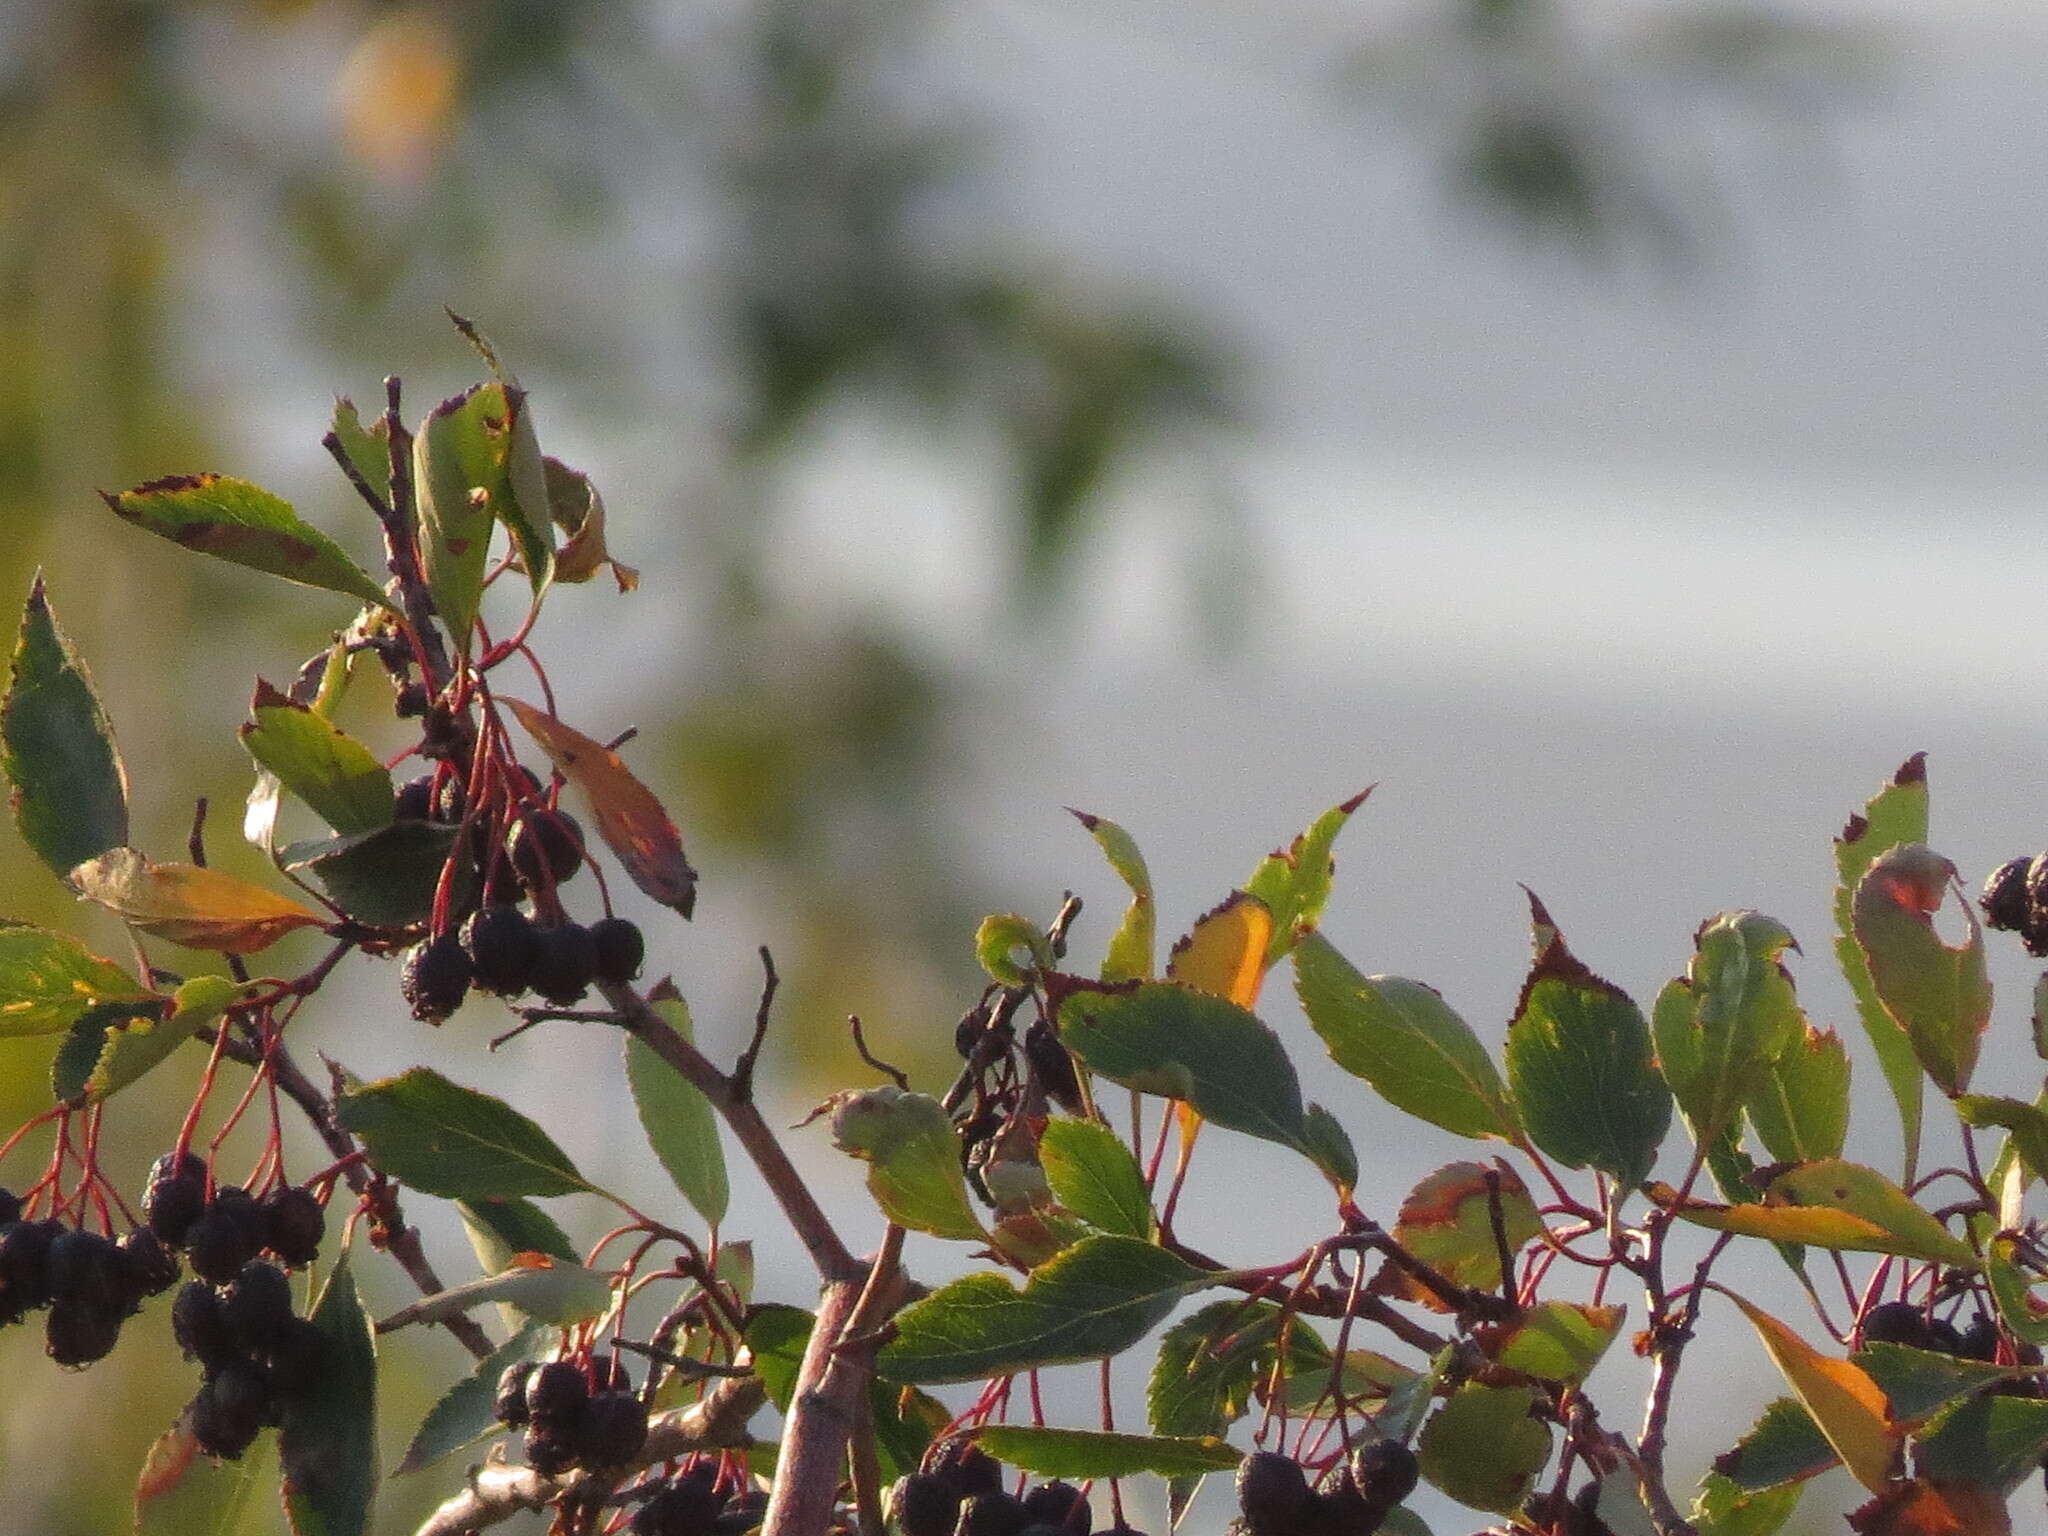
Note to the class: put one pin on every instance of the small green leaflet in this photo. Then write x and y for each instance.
(680, 1123)
(368, 448)
(1720, 1026)
(1097, 1298)
(1917, 1383)
(1801, 1107)
(1991, 1441)
(1080, 1454)
(384, 878)
(1294, 882)
(1724, 1508)
(243, 523)
(913, 1159)
(1482, 1447)
(328, 1445)
(111, 1047)
(1094, 1175)
(451, 1141)
(476, 463)
(332, 772)
(57, 749)
(49, 980)
(534, 1286)
(1131, 946)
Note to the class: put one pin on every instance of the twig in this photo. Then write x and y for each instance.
(743, 1069)
(860, 1044)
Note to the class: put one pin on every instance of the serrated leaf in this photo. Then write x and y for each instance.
(384, 878)
(1213, 1055)
(1294, 882)
(1405, 1040)
(525, 512)
(467, 1411)
(1327, 1144)
(544, 1289)
(1080, 1454)
(1094, 1175)
(1896, 814)
(328, 1444)
(1800, 1108)
(1098, 1298)
(2027, 1124)
(577, 509)
(628, 817)
(1917, 1383)
(1993, 1441)
(1130, 947)
(243, 523)
(1725, 1509)
(1447, 1221)
(446, 1140)
(680, 1123)
(336, 775)
(1579, 1066)
(1483, 1449)
(1783, 1446)
(1844, 1402)
(1224, 954)
(1720, 1026)
(70, 798)
(1208, 1362)
(190, 905)
(1832, 1204)
(1557, 1340)
(181, 1491)
(114, 1047)
(1936, 992)
(999, 939)
(476, 464)
(913, 1159)
(49, 980)
(2012, 1290)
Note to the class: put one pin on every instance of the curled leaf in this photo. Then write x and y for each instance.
(186, 904)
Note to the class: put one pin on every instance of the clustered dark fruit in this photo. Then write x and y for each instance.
(575, 1413)
(507, 953)
(692, 1504)
(91, 1283)
(222, 1234)
(959, 1492)
(256, 1355)
(435, 978)
(2015, 900)
(567, 964)
(1275, 1497)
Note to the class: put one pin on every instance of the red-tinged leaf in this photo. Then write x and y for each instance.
(1130, 947)
(1936, 992)
(1224, 954)
(182, 1492)
(628, 816)
(578, 511)
(1294, 882)
(1447, 1222)
(1932, 1509)
(1847, 1405)
(199, 908)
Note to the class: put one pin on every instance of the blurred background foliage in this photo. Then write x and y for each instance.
(726, 230)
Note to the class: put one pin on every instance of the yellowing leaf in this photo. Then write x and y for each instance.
(1447, 1222)
(1224, 954)
(1865, 1192)
(629, 818)
(199, 908)
(1844, 1401)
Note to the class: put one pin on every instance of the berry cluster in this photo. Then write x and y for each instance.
(90, 1283)
(255, 1354)
(574, 1414)
(222, 1234)
(1274, 1497)
(691, 1504)
(960, 1493)
(2015, 900)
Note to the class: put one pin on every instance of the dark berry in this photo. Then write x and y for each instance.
(503, 947)
(86, 1269)
(257, 1304)
(556, 1393)
(1272, 1494)
(435, 978)
(966, 1467)
(10, 1207)
(298, 1356)
(1342, 1510)
(1979, 1341)
(1385, 1472)
(25, 1265)
(2004, 900)
(549, 1455)
(1053, 1066)
(175, 1196)
(684, 1507)
(1901, 1322)
(410, 702)
(152, 1268)
(743, 1514)
(293, 1224)
(78, 1333)
(200, 1326)
(613, 1430)
(926, 1504)
(967, 1033)
(234, 1402)
(510, 1404)
(415, 799)
(606, 1372)
(226, 1237)
(568, 964)
(1061, 1505)
(546, 848)
(620, 949)
(992, 1514)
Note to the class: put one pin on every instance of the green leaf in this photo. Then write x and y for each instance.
(905, 1419)
(1896, 814)
(2027, 1124)
(501, 1227)
(1724, 1508)
(1294, 882)
(1578, 1060)
(1483, 1449)
(1559, 1340)
(1131, 946)
(467, 1411)
(1919, 1382)
(383, 878)
(1937, 993)
(111, 1048)
(1327, 1144)
(1992, 1442)
(1081, 1454)
(1404, 1039)
(243, 523)
(1720, 1026)
(49, 980)
(184, 1492)
(1098, 1298)
(57, 749)
(1864, 1192)
(328, 1445)
(336, 775)
(1161, 1038)
(1211, 1360)
(528, 510)
(997, 941)
(476, 463)
(545, 1290)
(1447, 1221)
(2012, 1290)
(680, 1123)
(913, 1158)
(1783, 1446)
(451, 1141)
(1094, 1175)
(368, 448)
(1801, 1106)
